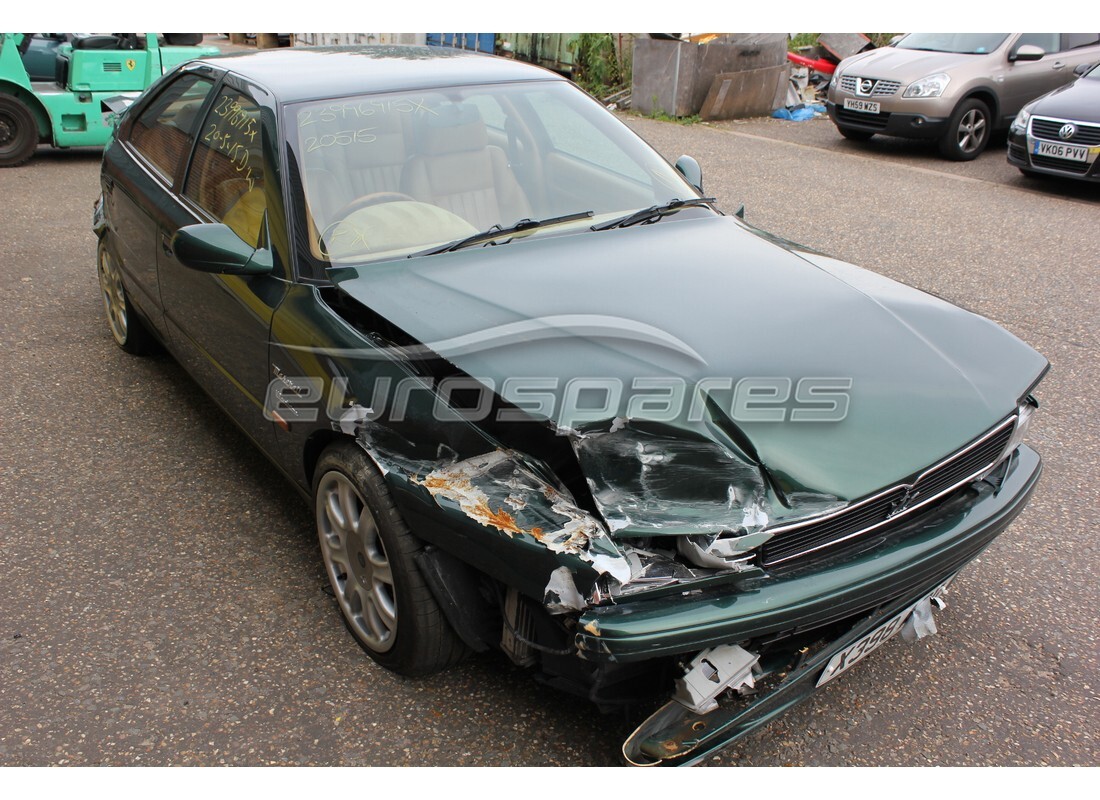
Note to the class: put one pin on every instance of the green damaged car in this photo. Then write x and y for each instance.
(544, 396)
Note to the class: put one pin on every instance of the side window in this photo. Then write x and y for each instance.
(227, 173)
(1048, 41)
(572, 134)
(1071, 41)
(166, 128)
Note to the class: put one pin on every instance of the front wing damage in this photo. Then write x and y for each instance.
(517, 497)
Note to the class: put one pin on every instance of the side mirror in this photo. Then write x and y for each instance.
(214, 247)
(690, 169)
(1027, 52)
(113, 108)
(895, 39)
(1081, 69)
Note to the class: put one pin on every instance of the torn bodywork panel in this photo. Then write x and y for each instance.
(499, 491)
(650, 478)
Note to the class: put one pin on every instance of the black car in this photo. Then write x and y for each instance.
(1059, 134)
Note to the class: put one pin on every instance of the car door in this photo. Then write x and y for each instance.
(1026, 80)
(1080, 48)
(141, 168)
(220, 324)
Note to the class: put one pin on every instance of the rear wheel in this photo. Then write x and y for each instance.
(967, 131)
(127, 329)
(854, 134)
(369, 557)
(18, 132)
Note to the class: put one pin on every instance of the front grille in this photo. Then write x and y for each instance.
(882, 88)
(1060, 164)
(859, 118)
(881, 510)
(1087, 135)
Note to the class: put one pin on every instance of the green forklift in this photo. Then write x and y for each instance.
(89, 69)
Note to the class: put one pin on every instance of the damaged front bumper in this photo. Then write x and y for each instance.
(677, 735)
(848, 601)
(936, 545)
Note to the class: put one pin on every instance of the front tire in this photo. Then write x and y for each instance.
(369, 556)
(18, 132)
(968, 131)
(126, 327)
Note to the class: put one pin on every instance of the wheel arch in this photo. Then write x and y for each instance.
(41, 116)
(315, 445)
(987, 96)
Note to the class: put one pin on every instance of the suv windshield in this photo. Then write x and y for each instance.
(972, 43)
(389, 175)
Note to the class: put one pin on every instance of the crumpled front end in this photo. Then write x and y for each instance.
(722, 537)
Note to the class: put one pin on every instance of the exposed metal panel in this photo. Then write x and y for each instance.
(674, 77)
(842, 45)
(751, 93)
(663, 74)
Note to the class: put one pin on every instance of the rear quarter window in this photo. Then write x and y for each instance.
(165, 130)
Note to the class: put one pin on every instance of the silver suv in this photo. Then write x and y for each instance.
(956, 88)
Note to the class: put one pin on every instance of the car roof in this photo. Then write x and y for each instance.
(295, 74)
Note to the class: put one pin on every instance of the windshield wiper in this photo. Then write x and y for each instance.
(653, 213)
(497, 232)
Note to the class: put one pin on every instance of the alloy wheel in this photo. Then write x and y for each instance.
(114, 296)
(971, 131)
(356, 562)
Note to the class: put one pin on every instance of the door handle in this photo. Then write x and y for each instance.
(1058, 65)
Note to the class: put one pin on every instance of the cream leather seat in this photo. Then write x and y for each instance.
(457, 169)
(338, 174)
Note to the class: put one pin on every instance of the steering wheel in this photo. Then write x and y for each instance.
(372, 199)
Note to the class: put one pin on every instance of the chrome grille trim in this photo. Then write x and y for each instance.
(883, 88)
(1046, 128)
(1009, 424)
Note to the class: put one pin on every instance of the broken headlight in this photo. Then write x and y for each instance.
(1024, 414)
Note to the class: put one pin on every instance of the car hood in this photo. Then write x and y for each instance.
(908, 65)
(1079, 100)
(710, 298)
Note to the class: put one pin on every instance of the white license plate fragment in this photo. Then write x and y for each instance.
(1067, 151)
(866, 106)
(857, 651)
